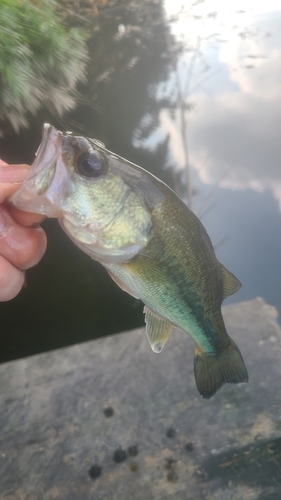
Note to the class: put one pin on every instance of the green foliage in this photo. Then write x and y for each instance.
(41, 61)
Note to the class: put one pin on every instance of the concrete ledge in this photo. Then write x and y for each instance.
(109, 419)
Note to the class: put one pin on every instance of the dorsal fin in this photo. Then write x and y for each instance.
(230, 283)
(158, 330)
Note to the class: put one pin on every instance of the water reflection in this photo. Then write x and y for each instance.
(149, 64)
(229, 75)
(236, 129)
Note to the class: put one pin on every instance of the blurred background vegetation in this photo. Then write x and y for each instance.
(41, 60)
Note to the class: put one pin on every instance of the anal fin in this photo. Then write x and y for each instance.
(158, 330)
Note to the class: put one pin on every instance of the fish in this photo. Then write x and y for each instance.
(151, 244)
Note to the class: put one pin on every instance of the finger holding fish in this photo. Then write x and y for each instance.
(11, 178)
(21, 246)
(11, 280)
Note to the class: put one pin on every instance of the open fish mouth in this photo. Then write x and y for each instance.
(47, 129)
(48, 150)
(45, 178)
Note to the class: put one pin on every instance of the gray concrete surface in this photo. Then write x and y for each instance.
(134, 419)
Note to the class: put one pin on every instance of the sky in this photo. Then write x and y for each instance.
(234, 128)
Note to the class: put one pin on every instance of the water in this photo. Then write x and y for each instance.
(230, 76)
(146, 61)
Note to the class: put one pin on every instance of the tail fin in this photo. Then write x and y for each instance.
(212, 371)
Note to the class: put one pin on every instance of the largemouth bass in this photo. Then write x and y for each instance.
(150, 243)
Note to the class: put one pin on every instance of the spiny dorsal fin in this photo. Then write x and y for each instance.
(158, 330)
(230, 283)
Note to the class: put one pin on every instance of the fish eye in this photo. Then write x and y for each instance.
(91, 164)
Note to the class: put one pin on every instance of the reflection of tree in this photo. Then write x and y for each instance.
(129, 58)
(40, 61)
(201, 36)
(189, 69)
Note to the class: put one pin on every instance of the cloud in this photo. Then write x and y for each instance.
(236, 135)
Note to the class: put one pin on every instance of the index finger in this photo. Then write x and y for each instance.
(11, 178)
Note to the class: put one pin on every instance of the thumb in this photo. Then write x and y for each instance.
(11, 178)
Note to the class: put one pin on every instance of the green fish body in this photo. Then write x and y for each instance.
(151, 244)
(183, 284)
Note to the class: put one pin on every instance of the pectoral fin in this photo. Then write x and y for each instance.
(158, 330)
(121, 284)
(230, 283)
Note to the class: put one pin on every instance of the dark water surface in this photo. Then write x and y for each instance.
(147, 61)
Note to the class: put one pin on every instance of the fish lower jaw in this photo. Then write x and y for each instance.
(106, 255)
(78, 233)
(89, 243)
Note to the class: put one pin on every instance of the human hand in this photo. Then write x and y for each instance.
(21, 246)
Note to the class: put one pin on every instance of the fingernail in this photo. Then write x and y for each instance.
(12, 174)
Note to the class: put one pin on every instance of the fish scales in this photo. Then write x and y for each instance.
(179, 277)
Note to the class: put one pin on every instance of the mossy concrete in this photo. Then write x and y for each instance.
(110, 419)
